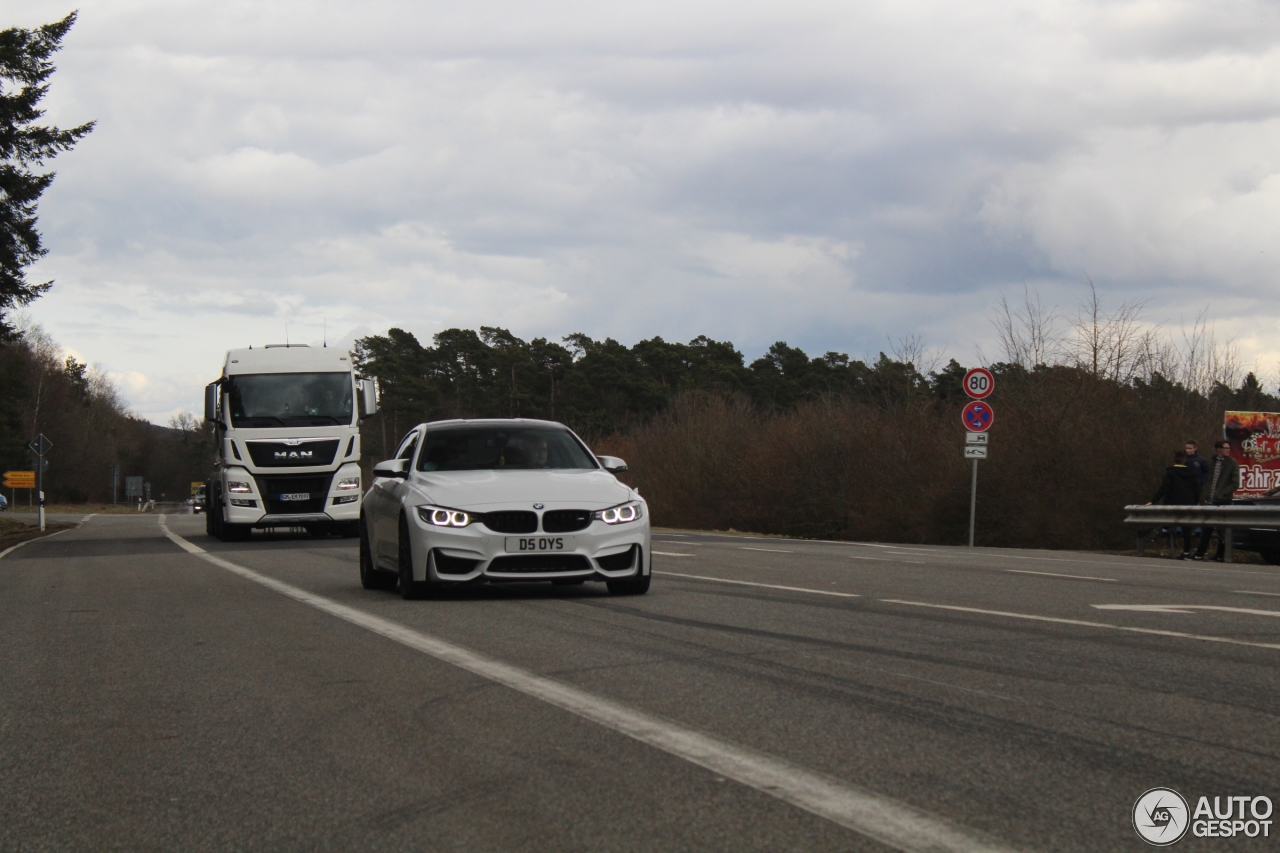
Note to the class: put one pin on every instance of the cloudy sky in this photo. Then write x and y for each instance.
(831, 174)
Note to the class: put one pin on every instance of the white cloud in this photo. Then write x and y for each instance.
(830, 175)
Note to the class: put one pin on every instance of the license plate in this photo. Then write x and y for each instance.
(539, 544)
(296, 496)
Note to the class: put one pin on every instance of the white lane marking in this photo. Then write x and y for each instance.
(770, 550)
(671, 554)
(1253, 592)
(7, 551)
(875, 559)
(1082, 622)
(1185, 608)
(50, 536)
(879, 817)
(1056, 575)
(765, 585)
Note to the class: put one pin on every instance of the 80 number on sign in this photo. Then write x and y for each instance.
(979, 383)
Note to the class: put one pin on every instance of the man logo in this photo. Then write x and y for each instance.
(294, 454)
(1160, 816)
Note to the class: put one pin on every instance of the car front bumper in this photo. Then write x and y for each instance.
(476, 554)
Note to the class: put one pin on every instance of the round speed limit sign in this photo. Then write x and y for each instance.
(979, 383)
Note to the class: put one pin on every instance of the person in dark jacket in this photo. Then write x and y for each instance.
(1197, 463)
(1180, 487)
(1224, 479)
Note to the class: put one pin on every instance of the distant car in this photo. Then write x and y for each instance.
(493, 501)
(4, 504)
(198, 501)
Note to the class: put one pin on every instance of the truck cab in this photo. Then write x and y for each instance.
(287, 429)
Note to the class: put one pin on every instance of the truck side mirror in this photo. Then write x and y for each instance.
(368, 398)
(211, 402)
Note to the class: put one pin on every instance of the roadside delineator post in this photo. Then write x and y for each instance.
(40, 446)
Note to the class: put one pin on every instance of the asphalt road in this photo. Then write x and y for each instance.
(153, 699)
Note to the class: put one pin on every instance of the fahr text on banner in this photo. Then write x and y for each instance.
(1255, 444)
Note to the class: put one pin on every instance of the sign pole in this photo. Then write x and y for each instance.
(40, 488)
(978, 383)
(973, 501)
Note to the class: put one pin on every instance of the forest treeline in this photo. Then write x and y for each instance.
(604, 387)
(1089, 410)
(1088, 413)
(81, 412)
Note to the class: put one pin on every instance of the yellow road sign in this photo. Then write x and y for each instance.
(19, 484)
(19, 475)
(195, 487)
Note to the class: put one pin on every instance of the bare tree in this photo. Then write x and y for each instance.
(1029, 334)
(1110, 346)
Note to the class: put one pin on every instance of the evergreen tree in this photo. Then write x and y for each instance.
(25, 68)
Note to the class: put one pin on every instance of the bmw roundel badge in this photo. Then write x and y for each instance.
(537, 506)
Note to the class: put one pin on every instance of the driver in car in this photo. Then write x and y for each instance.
(537, 450)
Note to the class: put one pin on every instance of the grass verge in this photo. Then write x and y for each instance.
(12, 531)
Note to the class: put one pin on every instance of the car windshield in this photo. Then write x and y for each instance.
(485, 448)
(289, 399)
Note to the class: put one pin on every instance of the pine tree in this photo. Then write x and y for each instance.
(25, 68)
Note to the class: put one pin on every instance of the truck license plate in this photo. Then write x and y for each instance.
(539, 544)
(296, 496)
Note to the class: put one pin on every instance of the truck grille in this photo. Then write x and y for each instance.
(565, 520)
(314, 486)
(511, 521)
(277, 454)
(540, 563)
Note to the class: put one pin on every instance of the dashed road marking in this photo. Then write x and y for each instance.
(1186, 608)
(1056, 575)
(1082, 622)
(765, 585)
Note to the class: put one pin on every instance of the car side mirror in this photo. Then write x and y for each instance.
(396, 469)
(211, 401)
(368, 397)
(612, 464)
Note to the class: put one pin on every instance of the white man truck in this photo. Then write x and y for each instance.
(287, 427)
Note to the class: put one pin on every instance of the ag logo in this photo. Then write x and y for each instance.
(1160, 816)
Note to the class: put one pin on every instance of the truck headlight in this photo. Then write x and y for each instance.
(620, 514)
(239, 487)
(349, 483)
(442, 516)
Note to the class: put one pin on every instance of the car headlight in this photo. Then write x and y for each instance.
(349, 483)
(620, 514)
(442, 516)
(238, 486)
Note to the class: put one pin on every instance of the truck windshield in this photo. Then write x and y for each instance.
(483, 448)
(289, 399)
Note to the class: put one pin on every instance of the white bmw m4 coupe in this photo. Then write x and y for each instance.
(490, 501)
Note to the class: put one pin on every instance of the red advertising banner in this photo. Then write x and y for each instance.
(1255, 444)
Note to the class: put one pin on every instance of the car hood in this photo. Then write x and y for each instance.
(554, 489)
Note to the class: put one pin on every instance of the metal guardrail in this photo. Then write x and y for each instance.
(1226, 517)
